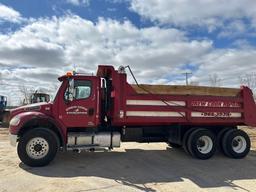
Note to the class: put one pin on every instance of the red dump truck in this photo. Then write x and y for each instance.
(96, 112)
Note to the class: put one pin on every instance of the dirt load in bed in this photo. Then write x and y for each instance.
(185, 90)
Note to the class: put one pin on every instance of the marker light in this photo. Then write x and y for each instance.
(15, 121)
(69, 74)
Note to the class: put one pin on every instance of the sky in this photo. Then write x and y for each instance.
(159, 39)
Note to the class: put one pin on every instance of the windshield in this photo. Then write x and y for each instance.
(55, 91)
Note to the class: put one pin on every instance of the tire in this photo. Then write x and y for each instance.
(37, 147)
(185, 140)
(220, 136)
(236, 144)
(202, 144)
(174, 145)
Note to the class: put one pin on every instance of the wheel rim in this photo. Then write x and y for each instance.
(239, 144)
(37, 148)
(204, 144)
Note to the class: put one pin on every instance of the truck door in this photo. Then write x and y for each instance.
(81, 111)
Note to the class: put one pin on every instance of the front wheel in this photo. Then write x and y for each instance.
(37, 147)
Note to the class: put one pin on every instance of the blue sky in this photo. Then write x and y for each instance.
(91, 11)
(118, 10)
(40, 40)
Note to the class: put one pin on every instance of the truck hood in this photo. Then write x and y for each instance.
(42, 107)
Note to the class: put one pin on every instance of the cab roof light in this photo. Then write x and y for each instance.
(69, 74)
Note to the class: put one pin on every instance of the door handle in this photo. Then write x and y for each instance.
(90, 111)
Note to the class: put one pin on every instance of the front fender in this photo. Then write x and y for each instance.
(32, 116)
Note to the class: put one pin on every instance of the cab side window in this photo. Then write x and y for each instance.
(82, 89)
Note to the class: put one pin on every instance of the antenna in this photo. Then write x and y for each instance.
(74, 67)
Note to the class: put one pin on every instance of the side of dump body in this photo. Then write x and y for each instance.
(147, 105)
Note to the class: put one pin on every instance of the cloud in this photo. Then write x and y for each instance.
(9, 14)
(210, 14)
(23, 49)
(56, 44)
(233, 29)
(45, 48)
(32, 78)
(228, 64)
(79, 2)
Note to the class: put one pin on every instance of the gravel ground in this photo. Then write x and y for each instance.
(133, 167)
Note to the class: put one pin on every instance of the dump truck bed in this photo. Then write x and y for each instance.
(150, 105)
(185, 90)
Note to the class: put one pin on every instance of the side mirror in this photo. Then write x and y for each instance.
(70, 90)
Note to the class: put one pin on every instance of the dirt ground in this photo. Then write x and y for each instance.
(133, 167)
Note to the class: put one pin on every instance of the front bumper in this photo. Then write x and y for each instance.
(13, 139)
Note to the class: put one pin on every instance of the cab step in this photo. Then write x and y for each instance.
(79, 148)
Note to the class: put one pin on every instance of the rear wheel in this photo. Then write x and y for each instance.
(185, 140)
(236, 144)
(202, 144)
(220, 136)
(37, 147)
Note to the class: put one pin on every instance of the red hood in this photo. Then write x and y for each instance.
(42, 107)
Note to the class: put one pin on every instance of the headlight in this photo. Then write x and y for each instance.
(15, 121)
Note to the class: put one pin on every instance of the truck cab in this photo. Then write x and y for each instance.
(74, 120)
(77, 102)
(3, 104)
(39, 97)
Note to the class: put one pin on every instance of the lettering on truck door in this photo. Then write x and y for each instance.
(81, 111)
